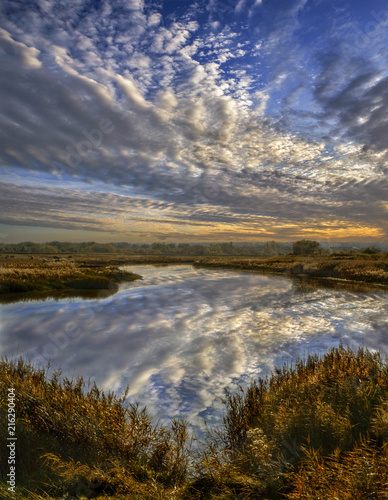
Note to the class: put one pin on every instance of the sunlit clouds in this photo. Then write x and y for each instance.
(201, 121)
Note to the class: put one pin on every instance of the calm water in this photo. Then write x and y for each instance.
(181, 335)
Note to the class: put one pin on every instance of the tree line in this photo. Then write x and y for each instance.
(158, 248)
(263, 249)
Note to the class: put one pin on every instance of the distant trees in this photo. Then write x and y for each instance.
(102, 248)
(371, 250)
(306, 247)
(257, 249)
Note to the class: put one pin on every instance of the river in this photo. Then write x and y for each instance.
(182, 334)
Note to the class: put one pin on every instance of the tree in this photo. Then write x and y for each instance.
(306, 247)
(215, 249)
(371, 250)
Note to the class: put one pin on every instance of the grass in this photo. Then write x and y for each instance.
(76, 440)
(315, 430)
(348, 266)
(42, 274)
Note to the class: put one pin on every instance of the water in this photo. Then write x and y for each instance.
(181, 335)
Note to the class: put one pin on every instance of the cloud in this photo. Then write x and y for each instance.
(357, 106)
(221, 215)
(171, 110)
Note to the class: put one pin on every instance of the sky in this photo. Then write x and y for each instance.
(193, 121)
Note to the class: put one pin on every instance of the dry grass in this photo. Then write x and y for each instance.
(75, 440)
(306, 432)
(356, 475)
(316, 430)
(354, 267)
(47, 274)
(101, 272)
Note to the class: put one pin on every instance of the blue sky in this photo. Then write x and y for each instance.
(214, 120)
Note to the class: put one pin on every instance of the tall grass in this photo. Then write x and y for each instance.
(78, 441)
(315, 430)
(23, 275)
(320, 415)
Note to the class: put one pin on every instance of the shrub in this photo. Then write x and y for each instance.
(306, 247)
(371, 250)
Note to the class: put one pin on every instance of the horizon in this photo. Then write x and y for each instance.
(203, 120)
(323, 243)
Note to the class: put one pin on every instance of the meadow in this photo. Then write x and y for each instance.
(318, 429)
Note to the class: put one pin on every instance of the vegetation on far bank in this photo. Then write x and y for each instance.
(351, 266)
(157, 248)
(254, 249)
(316, 430)
(100, 271)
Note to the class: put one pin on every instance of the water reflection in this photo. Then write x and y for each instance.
(10, 298)
(180, 335)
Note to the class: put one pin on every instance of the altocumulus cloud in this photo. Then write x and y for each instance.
(203, 120)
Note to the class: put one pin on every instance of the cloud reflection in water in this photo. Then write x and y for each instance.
(181, 335)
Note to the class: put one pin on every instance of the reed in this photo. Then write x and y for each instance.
(317, 429)
(42, 274)
(74, 439)
(322, 411)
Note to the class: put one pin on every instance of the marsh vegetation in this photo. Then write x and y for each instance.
(318, 429)
(99, 271)
(347, 266)
(24, 273)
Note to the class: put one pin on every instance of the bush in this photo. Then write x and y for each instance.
(306, 247)
(371, 250)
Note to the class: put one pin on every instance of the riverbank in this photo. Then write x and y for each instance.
(43, 274)
(66, 274)
(315, 430)
(353, 267)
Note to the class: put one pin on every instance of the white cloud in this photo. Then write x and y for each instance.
(188, 116)
(130, 90)
(241, 4)
(28, 56)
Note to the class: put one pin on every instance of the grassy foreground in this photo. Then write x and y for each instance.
(318, 430)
